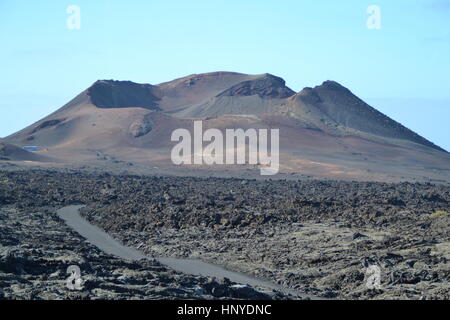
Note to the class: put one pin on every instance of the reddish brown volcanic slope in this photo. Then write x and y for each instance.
(325, 131)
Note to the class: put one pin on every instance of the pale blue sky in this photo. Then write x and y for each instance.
(402, 69)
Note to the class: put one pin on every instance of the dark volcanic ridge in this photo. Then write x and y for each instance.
(123, 94)
(345, 108)
(268, 87)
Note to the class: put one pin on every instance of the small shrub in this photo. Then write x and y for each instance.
(4, 181)
(439, 213)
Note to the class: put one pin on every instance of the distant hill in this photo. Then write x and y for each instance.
(9, 152)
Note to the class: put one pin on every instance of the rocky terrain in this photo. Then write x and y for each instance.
(36, 249)
(317, 237)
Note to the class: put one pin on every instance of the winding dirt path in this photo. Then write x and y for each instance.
(106, 243)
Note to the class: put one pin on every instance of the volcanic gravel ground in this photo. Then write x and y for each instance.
(314, 236)
(36, 249)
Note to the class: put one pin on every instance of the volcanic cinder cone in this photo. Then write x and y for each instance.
(325, 131)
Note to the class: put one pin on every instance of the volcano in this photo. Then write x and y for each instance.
(325, 131)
